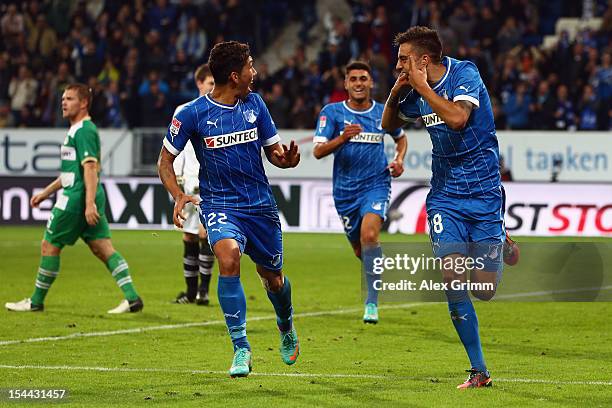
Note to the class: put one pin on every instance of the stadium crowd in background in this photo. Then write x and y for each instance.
(138, 56)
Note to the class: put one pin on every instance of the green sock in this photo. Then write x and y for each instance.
(118, 267)
(47, 272)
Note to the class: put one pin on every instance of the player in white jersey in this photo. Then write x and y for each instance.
(198, 258)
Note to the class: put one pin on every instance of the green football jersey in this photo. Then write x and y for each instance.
(82, 144)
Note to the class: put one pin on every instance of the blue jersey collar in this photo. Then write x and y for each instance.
(222, 105)
(359, 112)
(448, 67)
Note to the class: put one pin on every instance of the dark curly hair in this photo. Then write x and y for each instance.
(227, 57)
(424, 39)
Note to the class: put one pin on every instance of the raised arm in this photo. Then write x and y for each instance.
(390, 117)
(282, 156)
(454, 114)
(322, 149)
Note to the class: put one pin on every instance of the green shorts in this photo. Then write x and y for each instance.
(64, 228)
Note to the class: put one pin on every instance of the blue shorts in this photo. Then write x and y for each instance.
(352, 212)
(471, 226)
(258, 235)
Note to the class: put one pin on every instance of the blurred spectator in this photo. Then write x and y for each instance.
(22, 91)
(516, 108)
(499, 117)
(462, 22)
(181, 70)
(338, 94)
(587, 109)
(155, 110)
(485, 31)
(602, 78)
(192, 41)
(263, 79)
(419, 14)
(114, 118)
(509, 35)
(301, 115)
(161, 17)
(43, 106)
(154, 57)
(153, 79)
(380, 39)
(89, 63)
(97, 109)
(565, 117)
(278, 105)
(6, 119)
(42, 39)
(447, 35)
(5, 76)
(109, 72)
(119, 43)
(543, 107)
(12, 26)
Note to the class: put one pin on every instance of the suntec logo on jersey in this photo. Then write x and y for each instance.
(432, 120)
(367, 138)
(230, 139)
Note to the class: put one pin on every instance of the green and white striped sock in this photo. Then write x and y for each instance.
(47, 272)
(118, 268)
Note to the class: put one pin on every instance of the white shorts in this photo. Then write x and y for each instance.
(192, 223)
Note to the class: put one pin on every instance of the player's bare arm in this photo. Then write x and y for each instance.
(46, 193)
(454, 114)
(90, 177)
(390, 118)
(396, 167)
(165, 169)
(282, 156)
(323, 149)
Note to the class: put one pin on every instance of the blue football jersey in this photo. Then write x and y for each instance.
(227, 141)
(464, 162)
(361, 163)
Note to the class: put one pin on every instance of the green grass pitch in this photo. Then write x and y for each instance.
(539, 354)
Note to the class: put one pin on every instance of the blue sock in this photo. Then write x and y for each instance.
(233, 303)
(466, 323)
(367, 257)
(282, 306)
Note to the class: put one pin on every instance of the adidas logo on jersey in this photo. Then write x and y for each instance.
(432, 120)
(230, 139)
(367, 138)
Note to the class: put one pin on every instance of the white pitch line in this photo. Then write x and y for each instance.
(553, 382)
(194, 324)
(303, 375)
(271, 317)
(552, 292)
(184, 371)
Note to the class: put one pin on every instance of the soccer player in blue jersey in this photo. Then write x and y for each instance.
(228, 128)
(465, 207)
(352, 131)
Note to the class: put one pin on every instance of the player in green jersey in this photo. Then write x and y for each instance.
(79, 209)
